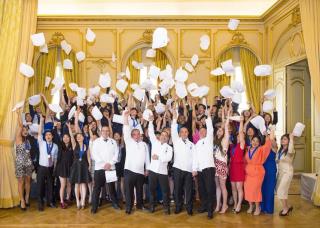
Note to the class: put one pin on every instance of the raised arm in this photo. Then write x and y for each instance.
(194, 117)
(76, 120)
(109, 125)
(152, 136)
(73, 141)
(19, 130)
(225, 140)
(174, 127)
(241, 134)
(40, 129)
(291, 145)
(126, 127)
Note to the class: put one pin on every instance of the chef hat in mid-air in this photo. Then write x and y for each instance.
(151, 53)
(38, 39)
(67, 64)
(154, 72)
(267, 106)
(194, 59)
(237, 86)
(80, 55)
(189, 67)
(204, 42)
(147, 113)
(217, 72)
(233, 24)
(34, 100)
(26, 70)
(270, 94)
(139, 94)
(160, 38)
(90, 35)
(105, 80)
(227, 66)
(227, 92)
(181, 75)
(55, 108)
(263, 70)
(181, 90)
(73, 86)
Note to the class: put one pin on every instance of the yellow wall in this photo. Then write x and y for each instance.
(122, 34)
(276, 38)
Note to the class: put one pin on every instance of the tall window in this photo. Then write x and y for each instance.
(238, 76)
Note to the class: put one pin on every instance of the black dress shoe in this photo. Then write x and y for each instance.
(189, 212)
(93, 211)
(202, 210)
(128, 211)
(27, 204)
(116, 206)
(210, 215)
(177, 211)
(52, 205)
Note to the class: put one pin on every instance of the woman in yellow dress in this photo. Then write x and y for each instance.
(285, 158)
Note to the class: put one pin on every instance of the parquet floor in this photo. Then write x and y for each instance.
(304, 215)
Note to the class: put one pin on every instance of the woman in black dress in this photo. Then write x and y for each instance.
(80, 175)
(64, 163)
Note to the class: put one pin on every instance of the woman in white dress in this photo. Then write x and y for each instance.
(285, 158)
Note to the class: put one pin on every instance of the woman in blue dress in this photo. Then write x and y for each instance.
(269, 181)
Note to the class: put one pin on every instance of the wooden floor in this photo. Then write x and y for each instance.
(304, 215)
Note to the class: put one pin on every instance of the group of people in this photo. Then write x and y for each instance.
(182, 150)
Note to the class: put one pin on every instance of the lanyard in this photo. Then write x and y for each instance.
(280, 154)
(49, 149)
(27, 145)
(135, 122)
(233, 150)
(253, 152)
(81, 152)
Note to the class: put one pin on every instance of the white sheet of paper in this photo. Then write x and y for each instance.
(117, 119)
(111, 176)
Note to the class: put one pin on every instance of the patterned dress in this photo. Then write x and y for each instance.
(220, 161)
(24, 166)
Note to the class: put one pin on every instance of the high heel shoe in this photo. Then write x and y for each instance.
(22, 208)
(63, 205)
(288, 212)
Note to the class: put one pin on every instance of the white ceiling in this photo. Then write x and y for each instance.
(155, 7)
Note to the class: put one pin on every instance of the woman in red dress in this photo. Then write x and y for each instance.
(237, 169)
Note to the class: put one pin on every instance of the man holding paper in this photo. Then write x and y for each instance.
(161, 154)
(136, 164)
(105, 154)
